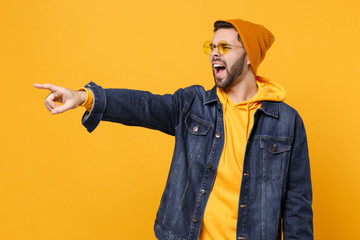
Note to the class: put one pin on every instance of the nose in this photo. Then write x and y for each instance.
(215, 52)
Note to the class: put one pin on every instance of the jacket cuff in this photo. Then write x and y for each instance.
(91, 119)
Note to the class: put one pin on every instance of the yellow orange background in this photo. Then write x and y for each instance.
(59, 182)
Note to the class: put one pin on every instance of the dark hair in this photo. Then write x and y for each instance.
(223, 24)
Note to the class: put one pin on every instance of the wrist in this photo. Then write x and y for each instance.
(82, 96)
(87, 98)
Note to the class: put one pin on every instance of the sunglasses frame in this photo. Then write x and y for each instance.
(222, 46)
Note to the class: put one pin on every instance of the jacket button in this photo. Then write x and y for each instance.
(195, 220)
(242, 205)
(246, 174)
(275, 148)
(196, 128)
(218, 135)
(202, 192)
(219, 108)
(209, 166)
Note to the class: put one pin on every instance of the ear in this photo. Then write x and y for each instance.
(247, 60)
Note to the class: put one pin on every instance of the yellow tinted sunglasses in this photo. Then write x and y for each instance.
(222, 47)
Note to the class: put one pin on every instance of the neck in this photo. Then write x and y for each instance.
(243, 88)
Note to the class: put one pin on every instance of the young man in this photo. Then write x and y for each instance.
(240, 168)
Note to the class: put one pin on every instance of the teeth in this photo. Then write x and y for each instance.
(217, 65)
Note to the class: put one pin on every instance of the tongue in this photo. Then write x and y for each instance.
(219, 72)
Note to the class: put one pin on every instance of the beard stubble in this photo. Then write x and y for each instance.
(235, 71)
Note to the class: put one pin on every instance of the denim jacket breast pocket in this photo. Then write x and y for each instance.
(275, 156)
(196, 125)
(198, 133)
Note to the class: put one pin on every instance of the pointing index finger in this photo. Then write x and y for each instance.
(48, 86)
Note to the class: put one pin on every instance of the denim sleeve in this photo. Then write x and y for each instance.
(297, 214)
(135, 108)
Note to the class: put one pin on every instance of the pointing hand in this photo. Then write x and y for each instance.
(69, 98)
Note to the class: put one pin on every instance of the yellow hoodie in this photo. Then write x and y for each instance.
(220, 216)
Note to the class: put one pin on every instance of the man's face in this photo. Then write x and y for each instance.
(229, 67)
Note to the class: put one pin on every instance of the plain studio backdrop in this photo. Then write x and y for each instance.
(59, 182)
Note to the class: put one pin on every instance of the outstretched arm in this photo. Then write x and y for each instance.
(129, 107)
(69, 98)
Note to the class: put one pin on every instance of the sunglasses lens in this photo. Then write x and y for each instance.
(222, 47)
(207, 47)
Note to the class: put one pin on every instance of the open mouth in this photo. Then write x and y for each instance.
(219, 70)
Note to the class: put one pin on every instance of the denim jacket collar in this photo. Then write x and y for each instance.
(211, 97)
(270, 108)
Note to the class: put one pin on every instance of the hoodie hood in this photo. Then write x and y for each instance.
(267, 91)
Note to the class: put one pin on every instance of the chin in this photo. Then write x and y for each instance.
(218, 83)
(222, 83)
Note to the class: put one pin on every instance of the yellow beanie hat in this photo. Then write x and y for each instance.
(256, 39)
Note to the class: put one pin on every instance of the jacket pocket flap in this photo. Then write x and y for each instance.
(275, 145)
(196, 126)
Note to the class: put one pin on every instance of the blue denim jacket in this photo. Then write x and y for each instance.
(276, 188)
